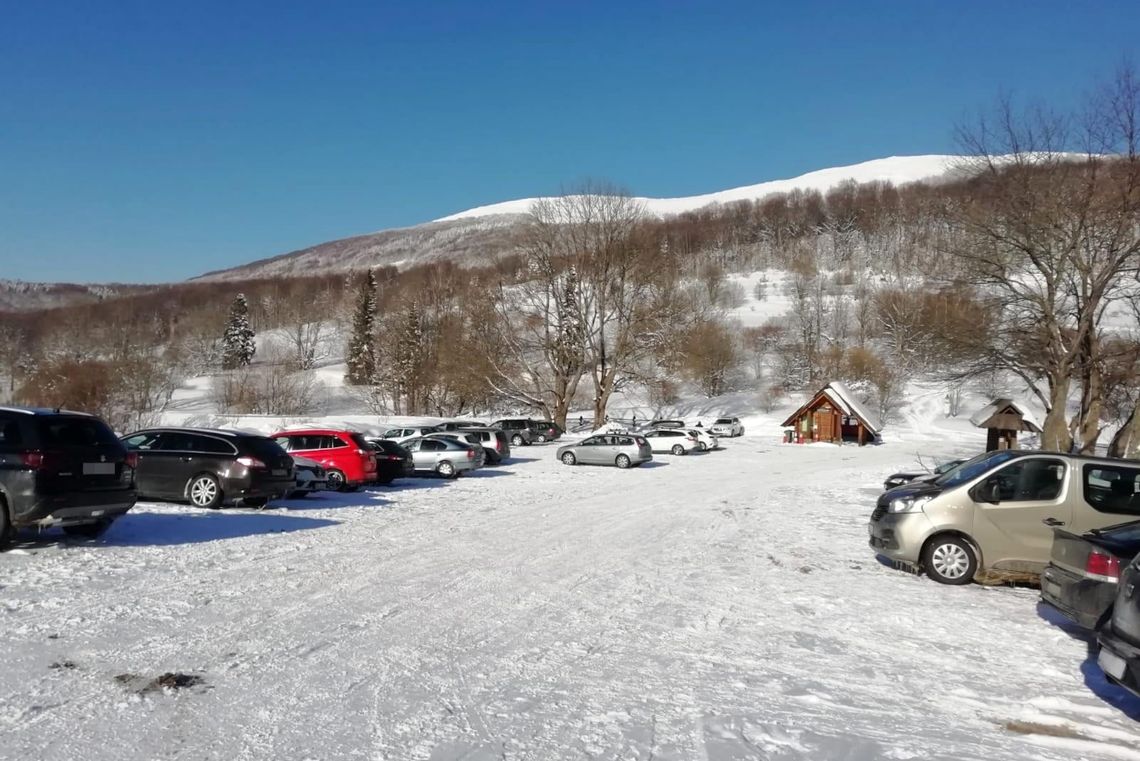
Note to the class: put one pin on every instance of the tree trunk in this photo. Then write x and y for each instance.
(603, 389)
(1126, 443)
(1055, 435)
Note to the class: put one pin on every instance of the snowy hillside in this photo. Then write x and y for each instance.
(897, 170)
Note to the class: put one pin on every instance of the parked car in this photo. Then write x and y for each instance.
(622, 450)
(345, 455)
(906, 477)
(409, 432)
(309, 475)
(670, 441)
(392, 461)
(1119, 656)
(443, 456)
(455, 425)
(662, 423)
(727, 426)
(495, 443)
(60, 468)
(465, 437)
(1083, 574)
(705, 440)
(995, 513)
(544, 430)
(209, 467)
(517, 429)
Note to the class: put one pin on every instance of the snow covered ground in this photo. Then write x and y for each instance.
(717, 606)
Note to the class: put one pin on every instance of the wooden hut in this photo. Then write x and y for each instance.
(1003, 419)
(833, 415)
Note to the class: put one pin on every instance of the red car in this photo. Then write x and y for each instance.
(345, 455)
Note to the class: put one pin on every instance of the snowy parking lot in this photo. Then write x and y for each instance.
(716, 606)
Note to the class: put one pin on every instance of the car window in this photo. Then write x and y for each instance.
(10, 435)
(263, 448)
(723, 421)
(1112, 488)
(142, 442)
(332, 442)
(652, 435)
(1126, 532)
(210, 445)
(412, 445)
(65, 431)
(974, 467)
(624, 441)
(433, 445)
(1032, 480)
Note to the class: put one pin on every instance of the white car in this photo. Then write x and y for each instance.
(310, 477)
(409, 432)
(727, 426)
(705, 440)
(671, 441)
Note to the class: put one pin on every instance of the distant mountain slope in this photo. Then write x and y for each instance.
(479, 234)
(898, 170)
(21, 296)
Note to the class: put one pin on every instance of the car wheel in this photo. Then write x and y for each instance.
(622, 461)
(205, 491)
(258, 502)
(336, 481)
(950, 560)
(89, 530)
(568, 458)
(678, 450)
(542, 438)
(517, 441)
(6, 531)
(703, 446)
(446, 469)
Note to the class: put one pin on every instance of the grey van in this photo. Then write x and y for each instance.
(993, 516)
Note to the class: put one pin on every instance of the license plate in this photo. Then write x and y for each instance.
(1111, 663)
(278, 471)
(98, 468)
(1051, 588)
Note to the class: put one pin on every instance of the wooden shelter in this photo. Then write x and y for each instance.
(833, 415)
(1003, 419)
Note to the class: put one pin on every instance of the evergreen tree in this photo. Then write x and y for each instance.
(361, 355)
(409, 358)
(237, 341)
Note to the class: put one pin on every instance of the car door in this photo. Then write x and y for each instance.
(173, 463)
(586, 452)
(1016, 533)
(150, 473)
(656, 441)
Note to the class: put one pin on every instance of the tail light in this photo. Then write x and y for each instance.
(470, 454)
(33, 460)
(395, 457)
(251, 462)
(692, 439)
(1103, 566)
(132, 460)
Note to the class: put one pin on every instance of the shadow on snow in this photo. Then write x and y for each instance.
(156, 529)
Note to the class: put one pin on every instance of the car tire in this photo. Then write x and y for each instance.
(336, 480)
(446, 469)
(622, 461)
(517, 441)
(6, 530)
(568, 458)
(203, 490)
(542, 438)
(89, 530)
(678, 450)
(950, 559)
(703, 446)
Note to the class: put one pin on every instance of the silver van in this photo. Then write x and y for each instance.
(993, 516)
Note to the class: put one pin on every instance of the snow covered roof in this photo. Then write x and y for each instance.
(846, 402)
(982, 416)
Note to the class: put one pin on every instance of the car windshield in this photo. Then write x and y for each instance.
(723, 421)
(359, 440)
(974, 467)
(1121, 532)
(66, 431)
(263, 448)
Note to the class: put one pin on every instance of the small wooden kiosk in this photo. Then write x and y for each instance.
(1003, 419)
(833, 415)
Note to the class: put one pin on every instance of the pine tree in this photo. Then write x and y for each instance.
(237, 341)
(361, 355)
(409, 358)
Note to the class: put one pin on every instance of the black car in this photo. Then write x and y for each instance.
(392, 461)
(526, 431)
(455, 425)
(1083, 574)
(209, 467)
(60, 468)
(906, 477)
(1119, 640)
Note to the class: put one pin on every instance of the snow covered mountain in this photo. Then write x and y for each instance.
(897, 170)
(479, 234)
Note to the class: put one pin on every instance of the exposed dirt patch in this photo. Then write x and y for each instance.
(64, 665)
(1052, 730)
(171, 680)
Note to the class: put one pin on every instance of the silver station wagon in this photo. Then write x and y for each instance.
(621, 449)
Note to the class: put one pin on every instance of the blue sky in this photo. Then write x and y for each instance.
(151, 141)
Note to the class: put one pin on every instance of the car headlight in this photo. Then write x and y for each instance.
(907, 504)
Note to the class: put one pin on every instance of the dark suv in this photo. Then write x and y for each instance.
(527, 430)
(210, 467)
(60, 468)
